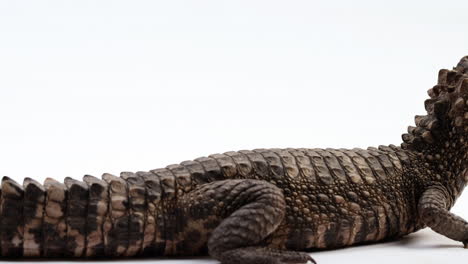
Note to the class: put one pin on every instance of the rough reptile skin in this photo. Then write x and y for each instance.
(259, 206)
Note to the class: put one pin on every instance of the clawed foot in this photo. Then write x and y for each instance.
(252, 255)
(291, 257)
(287, 257)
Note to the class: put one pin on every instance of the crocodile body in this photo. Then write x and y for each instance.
(259, 206)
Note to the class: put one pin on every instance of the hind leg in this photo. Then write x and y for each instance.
(247, 211)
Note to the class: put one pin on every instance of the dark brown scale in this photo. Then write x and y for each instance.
(137, 214)
(344, 232)
(289, 164)
(385, 220)
(227, 166)
(384, 160)
(306, 171)
(77, 210)
(54, 227)
(116, 230)
(362, 167)
(259, 164)
(11, 218)
(33, 214)
(370, 228)
(98, 207)
(321, 169)
(385, 209)
(392, 156)
(401, 154)
(212, 170)
(153, 239)
(348, 166)
(275, 166)
(183, 178)
(170, 218)
(341, 232)
(376, 215)
(395, 204)
(399, 211)
(405, 212)
(373, 163)
(333, 165)
(196, 170)
(349, 226)
(243, 164)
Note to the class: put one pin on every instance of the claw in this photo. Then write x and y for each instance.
(300, 257)
(312, 260)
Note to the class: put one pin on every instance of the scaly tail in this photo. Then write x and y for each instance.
(94, 218)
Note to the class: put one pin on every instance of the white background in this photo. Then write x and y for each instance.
(88, 87)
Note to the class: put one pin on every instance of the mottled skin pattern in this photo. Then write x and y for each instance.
(259, 206)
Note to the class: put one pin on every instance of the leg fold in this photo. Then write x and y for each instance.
(249, 211)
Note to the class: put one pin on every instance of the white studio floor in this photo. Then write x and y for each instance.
(425, 247)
